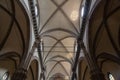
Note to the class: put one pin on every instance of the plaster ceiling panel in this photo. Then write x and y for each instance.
(72, 12)
(47, 8)
(59, 21)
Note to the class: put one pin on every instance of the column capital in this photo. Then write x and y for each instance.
(20, 74)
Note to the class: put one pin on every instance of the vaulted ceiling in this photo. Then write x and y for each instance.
(57, 24)
(14, 34)
(59, 28)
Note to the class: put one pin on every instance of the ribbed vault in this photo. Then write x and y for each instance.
(59, 29)
(43, 39)
(14, 34)
(103, 38)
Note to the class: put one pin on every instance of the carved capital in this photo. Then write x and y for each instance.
(20, 74)
(97, 75)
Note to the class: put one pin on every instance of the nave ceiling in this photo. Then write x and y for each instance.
(56, 25)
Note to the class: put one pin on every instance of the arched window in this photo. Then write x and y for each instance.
(57, 76)
(4, 75)
(110, 76)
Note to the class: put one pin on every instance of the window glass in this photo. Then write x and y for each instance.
(5, 76)
(110, 76)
